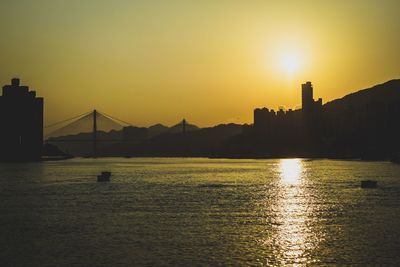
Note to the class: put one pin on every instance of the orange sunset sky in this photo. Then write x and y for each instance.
(210, 62)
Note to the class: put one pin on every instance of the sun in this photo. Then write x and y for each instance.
(290, 63)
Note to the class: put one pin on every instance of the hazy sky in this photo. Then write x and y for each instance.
(208, 61)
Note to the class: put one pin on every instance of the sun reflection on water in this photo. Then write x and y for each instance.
(294, 238)
(290, 170)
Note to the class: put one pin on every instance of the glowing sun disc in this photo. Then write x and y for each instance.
(291, 63)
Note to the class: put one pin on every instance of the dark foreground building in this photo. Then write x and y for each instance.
(21, 120)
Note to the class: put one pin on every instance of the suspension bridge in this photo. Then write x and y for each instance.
(87, 127)
(90, 122)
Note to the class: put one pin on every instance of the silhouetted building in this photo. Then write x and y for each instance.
(266, 120)
(21, 119)
(307, 99)
(261, 119)
(312, 112)
(289, 130)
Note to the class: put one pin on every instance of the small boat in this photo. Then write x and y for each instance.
(369, 184)
(104, 177)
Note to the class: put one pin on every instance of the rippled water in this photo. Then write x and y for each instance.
(199, 212)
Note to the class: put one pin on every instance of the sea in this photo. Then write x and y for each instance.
(199, 212)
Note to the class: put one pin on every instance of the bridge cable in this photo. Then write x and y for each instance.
(77, 119)
(63, 121)
(115, 119)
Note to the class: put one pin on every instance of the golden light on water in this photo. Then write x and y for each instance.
(290, 170)
(294, 236)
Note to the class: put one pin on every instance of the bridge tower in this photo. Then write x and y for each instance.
(94, 134)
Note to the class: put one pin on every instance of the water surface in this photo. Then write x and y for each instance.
(199, 211)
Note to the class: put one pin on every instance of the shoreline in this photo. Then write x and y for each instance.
(228, 157)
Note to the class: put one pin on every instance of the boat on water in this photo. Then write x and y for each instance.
(104, 177)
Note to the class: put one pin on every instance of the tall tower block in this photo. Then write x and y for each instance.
(21, 120)
(307, 99)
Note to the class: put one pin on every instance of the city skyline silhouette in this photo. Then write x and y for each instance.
(359, 125)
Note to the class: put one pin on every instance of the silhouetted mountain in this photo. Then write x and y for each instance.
(81, 144)
(157, 129)
(364, 123)
(101, 136)
(385, 93)
(200, 142)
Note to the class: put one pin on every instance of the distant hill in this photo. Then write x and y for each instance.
(387, 93)
(157, 129)
(81, 144)
(195, 142)
(364, 123)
